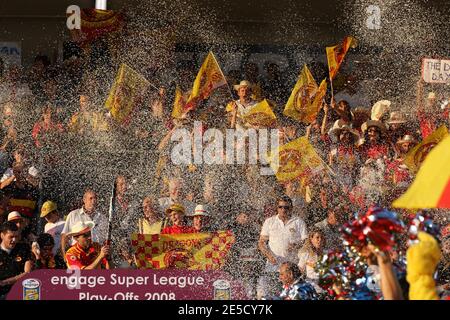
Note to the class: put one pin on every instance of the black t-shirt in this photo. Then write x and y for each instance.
(13, 264)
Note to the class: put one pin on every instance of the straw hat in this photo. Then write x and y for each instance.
(396, 117)
(175, 207)
(379, 109)
(200, 211)
(373, 123)
(406, 138)
(14, 215)
(48, 207)
(243, 83)
(346, 128)
(81, 227)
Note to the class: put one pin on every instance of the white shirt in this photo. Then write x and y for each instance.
(242, 110)
(280, 236)
(98, 232)
(303, 258)
(55, 229)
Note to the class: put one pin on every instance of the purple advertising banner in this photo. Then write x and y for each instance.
(124, 284)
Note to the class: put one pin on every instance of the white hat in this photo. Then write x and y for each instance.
(14, 215)
(243, 83)
(379, 109)
(200, 211)
(373, 123)
(81, 227)
(396, 117)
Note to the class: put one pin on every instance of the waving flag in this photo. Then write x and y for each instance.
(261, 115)
(336, 55)
(417, 155)
(306, 98)
(193, 251)
(296, 160)
(209, 77)
(126, 92)
(431, 187)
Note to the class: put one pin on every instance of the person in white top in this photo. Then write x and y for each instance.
(309, 254)
(54, 225)
(85, 214)
(281, 237)
(240, 107)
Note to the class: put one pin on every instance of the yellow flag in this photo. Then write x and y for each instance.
(179, 103)
(125, 93)
(336, 55)
(431, 187)
(191, 251)
(296, 160)
(261, 115)
(416, 155)
(306, 98)
(209, 77)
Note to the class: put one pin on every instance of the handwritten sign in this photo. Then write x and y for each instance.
(436, 70)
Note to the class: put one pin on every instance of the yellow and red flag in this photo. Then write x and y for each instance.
(261, 115)
(431, 187)
(306, 98)
(415, 157)
(336, 55)
(179, 103)
(192, 251)
(125, 94)
(209, 78)
(96, 23)
(296, 160)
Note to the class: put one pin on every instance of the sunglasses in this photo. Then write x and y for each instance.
(284, 207)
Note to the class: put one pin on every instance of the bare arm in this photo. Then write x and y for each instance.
(390, 287)
(262, 246)
(325, 120)
(103, 253)
(12, 280)
(165, 140)
(63, 245)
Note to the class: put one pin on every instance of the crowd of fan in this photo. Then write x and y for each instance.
(60, 145)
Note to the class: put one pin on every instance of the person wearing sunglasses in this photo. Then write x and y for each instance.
(281, 237)
(85, 254)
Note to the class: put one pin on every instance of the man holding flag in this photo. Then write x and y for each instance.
(240, 107)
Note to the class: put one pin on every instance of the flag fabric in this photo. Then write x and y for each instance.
(209, 78)
(336, 55)
(179, 104)
(416, 155)
(193, 251)
(97, 23)
(296, 160)
(125, 93)
(431, 187)
(306, 98)
(261, 115)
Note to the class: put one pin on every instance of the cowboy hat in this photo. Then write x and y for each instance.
(81, 227)
(200, 211)
(396, 117)
(175, 207)
(373, 123)
(14, 215)
(406, 138)
(379, 109)
(243, 83)
(48, 207)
